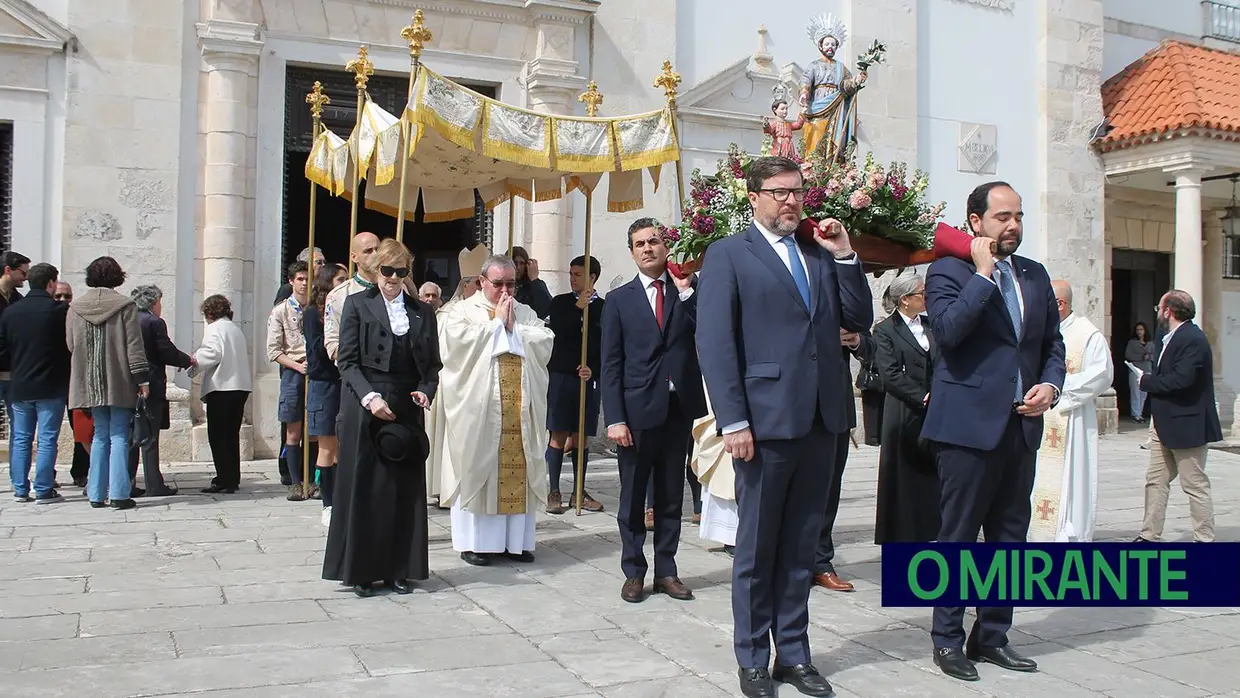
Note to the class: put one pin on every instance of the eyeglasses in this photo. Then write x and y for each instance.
(502, 283)
(63, 297)
(918, 294)
(782, 194)
(398, 272)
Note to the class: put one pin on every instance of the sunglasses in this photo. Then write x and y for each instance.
(63, 297)
(398, 272)
(501, 283)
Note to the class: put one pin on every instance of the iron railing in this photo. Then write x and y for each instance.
(1222, 20)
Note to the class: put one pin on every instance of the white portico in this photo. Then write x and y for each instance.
(1172, 147)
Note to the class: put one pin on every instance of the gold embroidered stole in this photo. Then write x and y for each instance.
(1052, 455)
(513, 482)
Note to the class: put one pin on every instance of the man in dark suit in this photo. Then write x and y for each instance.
(1000, 368)
(860, 345)
(1185, 419)
(768, 338)
(33, 349)
(652, 392)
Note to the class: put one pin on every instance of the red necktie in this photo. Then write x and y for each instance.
(658, 301)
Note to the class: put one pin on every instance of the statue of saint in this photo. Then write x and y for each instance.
(780, 128)
(828, 91)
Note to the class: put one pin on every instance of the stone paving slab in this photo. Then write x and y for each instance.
(220, 596)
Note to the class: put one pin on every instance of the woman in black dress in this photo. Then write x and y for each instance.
(908, 480)
(389, 362)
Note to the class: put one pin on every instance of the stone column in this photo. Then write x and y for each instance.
(553, 86)
(1188, 242)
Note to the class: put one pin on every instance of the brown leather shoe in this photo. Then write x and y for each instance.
(832, 581)
(634, 590)
(588, 503)
(555, 504)
(673, 587)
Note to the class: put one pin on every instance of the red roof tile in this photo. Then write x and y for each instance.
(1173, 88)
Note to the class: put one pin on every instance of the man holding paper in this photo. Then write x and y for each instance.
(1065, 488)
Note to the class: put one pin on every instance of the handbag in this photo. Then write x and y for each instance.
(868, 379)
(145, 430)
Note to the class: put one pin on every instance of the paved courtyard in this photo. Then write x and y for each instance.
(220, 596)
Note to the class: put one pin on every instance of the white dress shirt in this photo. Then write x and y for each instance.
(781, 249)
(1167, 340)
(916, 326)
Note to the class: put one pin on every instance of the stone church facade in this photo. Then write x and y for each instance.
(167, 134)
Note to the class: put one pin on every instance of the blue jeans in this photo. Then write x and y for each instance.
(109, 454)
(46, 416)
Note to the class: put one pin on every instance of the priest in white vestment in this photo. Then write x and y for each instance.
(495, 353)
(1065, 489)
(468, 261)
(713, 468)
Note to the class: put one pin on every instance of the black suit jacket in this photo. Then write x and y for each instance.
(638, 358)
(1181, 391)
(160, 352)
(905, 368)
(366, 343)
(33, 349)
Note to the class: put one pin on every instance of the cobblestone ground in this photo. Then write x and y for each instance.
(220, 596)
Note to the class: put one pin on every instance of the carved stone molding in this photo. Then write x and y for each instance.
(1003, 5)
(221, 36)
(49, 35)
(568, 11)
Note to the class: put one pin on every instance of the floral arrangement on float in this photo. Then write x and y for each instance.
(885, 210)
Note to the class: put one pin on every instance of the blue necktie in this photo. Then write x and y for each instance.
(1007, 286)
(798, 271)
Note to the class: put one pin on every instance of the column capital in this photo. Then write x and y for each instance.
(227, 37)
(1187, 174)
(552, 80)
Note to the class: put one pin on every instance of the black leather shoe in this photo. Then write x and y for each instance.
(363, 590)
(135, 492)
(523, 556)
(477, 559)
(1004, 656)
(805, 678)
(951, 661)
(122, 504)
(1139, 539)
(756, 683)
(401, 586)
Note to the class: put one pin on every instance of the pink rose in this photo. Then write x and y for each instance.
(860, 199)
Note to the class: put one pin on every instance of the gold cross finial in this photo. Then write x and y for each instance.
(417, 35)
(592, 98)
(317, 100)
(668, 80)
(361, 67)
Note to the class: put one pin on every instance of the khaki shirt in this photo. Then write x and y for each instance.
(333, 308)
(284, 332)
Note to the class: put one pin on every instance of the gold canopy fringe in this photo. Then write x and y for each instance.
(649, 158)
(445, 216)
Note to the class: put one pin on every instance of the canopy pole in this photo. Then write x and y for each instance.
(418, 36)
(362, 69)
(669, 81)
(512, 223)
(592, 98)
(317, 100)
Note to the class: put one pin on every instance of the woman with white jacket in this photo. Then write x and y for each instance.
(224, 363)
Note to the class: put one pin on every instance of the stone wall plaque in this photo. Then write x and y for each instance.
(977, 149)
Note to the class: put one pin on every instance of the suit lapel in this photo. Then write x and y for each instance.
(1027, 293)
(903, 331)
(378, 308)
(642, 301)
(671, 302)
(762, 249)
(414, 310)
(816, 271)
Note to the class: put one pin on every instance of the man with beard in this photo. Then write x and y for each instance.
(770, 310)
(1000, 368)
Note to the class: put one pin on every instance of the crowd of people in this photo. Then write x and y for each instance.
(985, 380)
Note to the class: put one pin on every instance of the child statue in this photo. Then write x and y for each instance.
(780, 129)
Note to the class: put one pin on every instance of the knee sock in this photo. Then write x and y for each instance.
(585, 464)
(292, 456)
(327, 485)
(555, 463)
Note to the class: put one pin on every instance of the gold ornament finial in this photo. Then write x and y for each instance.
(668, 80)
(361, 67)
(317, 100)
(417, 34)
(592, 98)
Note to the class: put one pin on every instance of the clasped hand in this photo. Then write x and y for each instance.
(505, 312)
(1038, 401)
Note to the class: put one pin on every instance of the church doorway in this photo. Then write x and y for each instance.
(434, 245)
(1138, 280)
